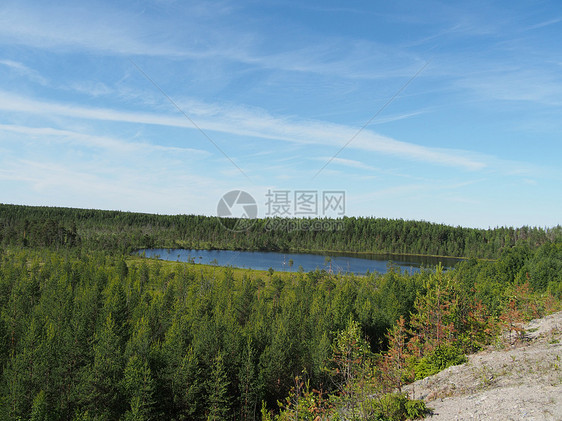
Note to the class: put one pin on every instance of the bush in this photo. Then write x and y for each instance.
(442, 357)
(397, 407)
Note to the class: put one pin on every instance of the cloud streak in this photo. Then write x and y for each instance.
(348, 163)
(91, 141)
(22, 69)
(256, 123)
(199, 38)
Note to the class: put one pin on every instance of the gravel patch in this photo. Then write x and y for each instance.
(505, 382)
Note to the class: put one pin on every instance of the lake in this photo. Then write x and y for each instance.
(291, 262)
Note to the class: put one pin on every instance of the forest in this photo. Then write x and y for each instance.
(124, 232)
(89, 332)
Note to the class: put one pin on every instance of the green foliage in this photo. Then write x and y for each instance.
(437, 313)
(138, 388)
(39, 410)
(439, 359)
(101, 394)
(397, 407)
(87, 335)
(544, 269)
(248, 388)
(125, 231)
(351, 356)
(395, 367)
(103, 345)
(304, 403)
(217, 391)
(358, 395)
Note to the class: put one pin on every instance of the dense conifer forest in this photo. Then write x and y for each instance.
(88, 332)
(124, 232)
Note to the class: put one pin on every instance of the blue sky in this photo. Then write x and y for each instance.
(163, 106)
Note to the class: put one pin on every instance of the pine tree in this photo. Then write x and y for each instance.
(395, 366)
(138, 389)
(352, 369)
(116, 305)
(39, 410)
(218, 406)
(101, 394)
(248, 383)
(181, 376)
(123, 270)
(433, 324)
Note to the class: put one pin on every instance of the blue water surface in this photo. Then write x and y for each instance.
(292, 262)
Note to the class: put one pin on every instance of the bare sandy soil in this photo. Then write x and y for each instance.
(505, 382)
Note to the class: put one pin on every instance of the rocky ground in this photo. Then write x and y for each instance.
(506, 382)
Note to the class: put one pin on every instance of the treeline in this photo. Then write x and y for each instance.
(124, 232)
(85, 335)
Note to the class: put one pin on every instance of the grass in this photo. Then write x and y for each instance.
(210, 270)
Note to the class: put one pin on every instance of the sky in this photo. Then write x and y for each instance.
(442, 111)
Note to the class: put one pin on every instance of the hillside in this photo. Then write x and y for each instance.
(123, 232)
(88, 332)
(512, 382)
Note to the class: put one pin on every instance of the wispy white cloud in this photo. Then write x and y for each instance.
(544, 23)
(257, 123)
(202, 36)
(346, 58)
(136, 189)
(92, 141)
(397, 117)
(94, 89)
(72, 27)
(22, 69)
(530, 85)
(419, 188)
(347, 162)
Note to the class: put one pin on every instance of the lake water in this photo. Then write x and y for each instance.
(336, 262)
